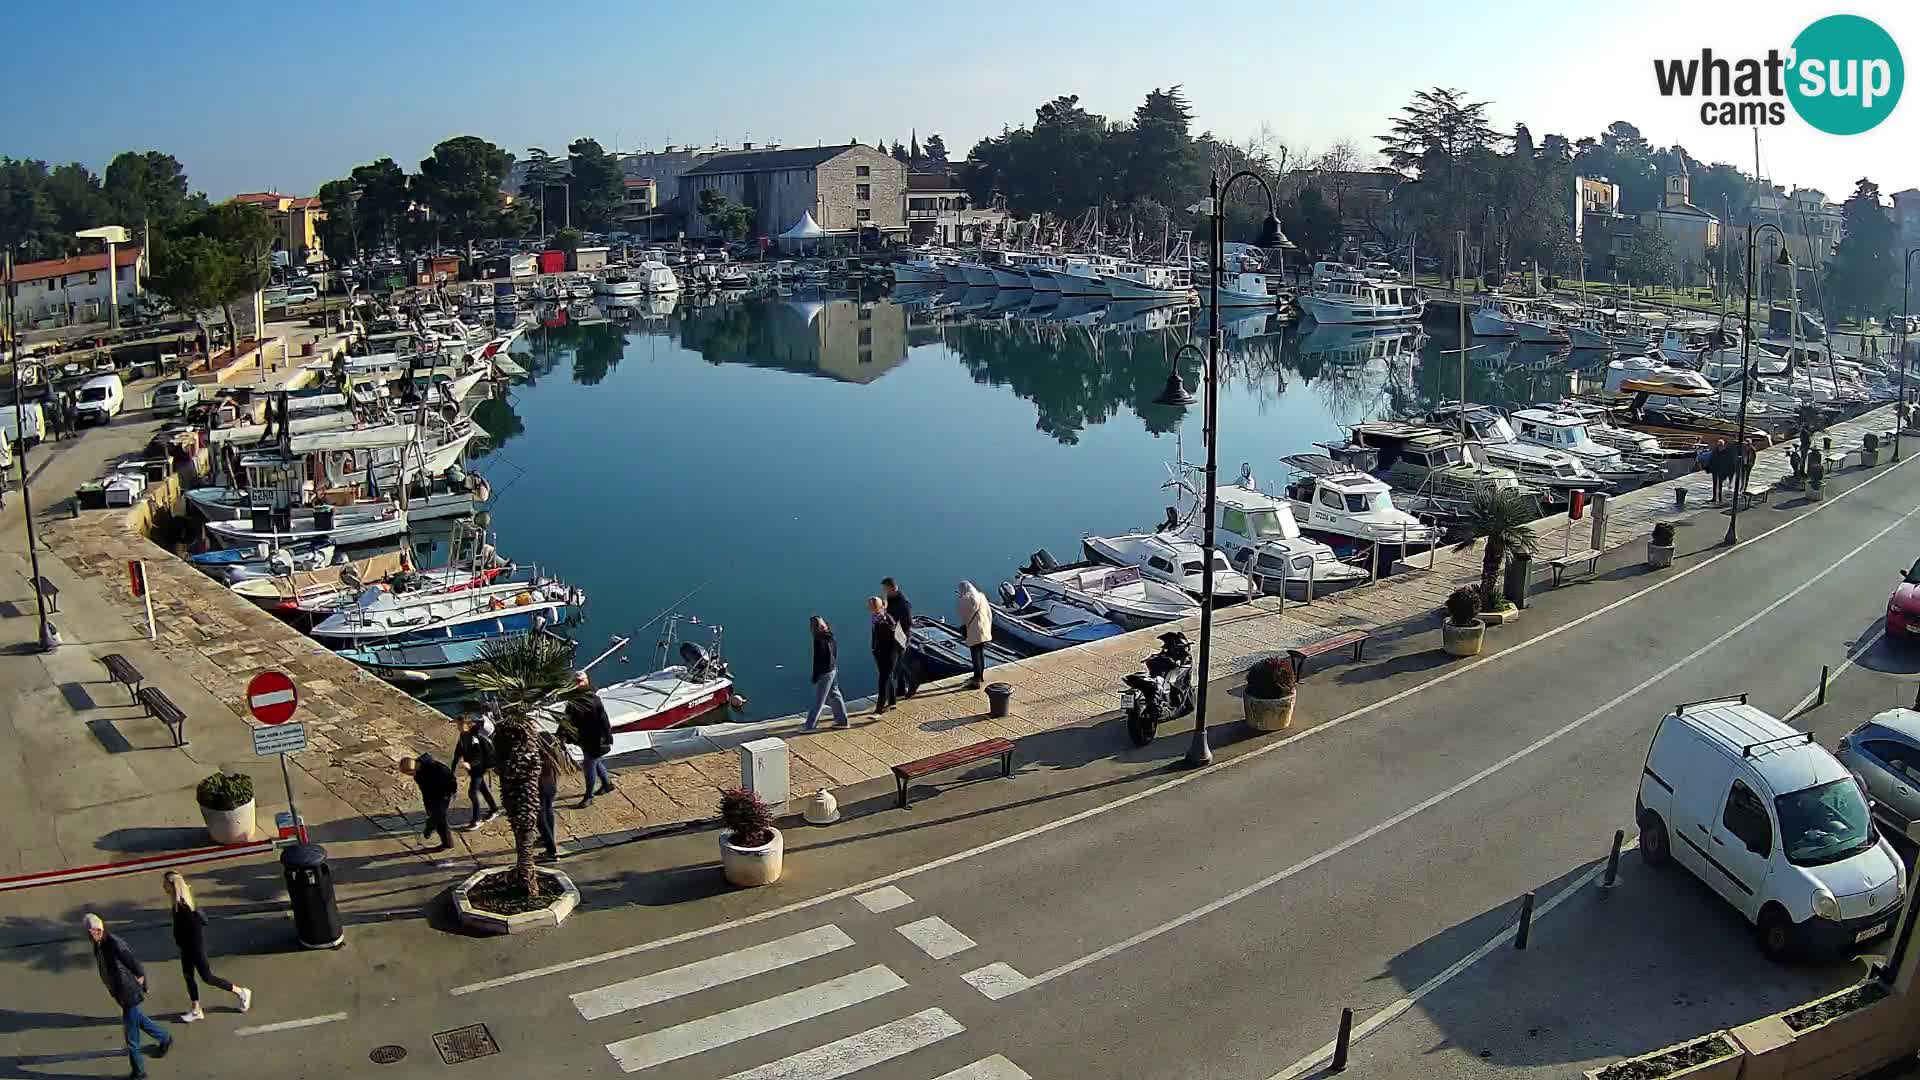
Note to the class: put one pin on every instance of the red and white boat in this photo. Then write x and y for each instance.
(669, 697)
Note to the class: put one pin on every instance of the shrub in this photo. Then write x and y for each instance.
(748, 819)
(1663, 534)
(1463, 606)
(1870, 442)
(1271, 678)
(225, 791)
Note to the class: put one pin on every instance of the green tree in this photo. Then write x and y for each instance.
(339, 228)
(1160, 159)
(1861, 274)
(936, 149)
(191, 273)
(567, 240)
(26, 220)
(723, 215)
(597, 186)
(1651, 260)
(460, 183)
(1449, 141)
(1310, 222)
(1499, 516)
(899, 153)
(385, 202)
(545, 175)
(244, 235)
(149, 189)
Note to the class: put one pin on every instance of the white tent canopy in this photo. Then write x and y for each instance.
(807, 229)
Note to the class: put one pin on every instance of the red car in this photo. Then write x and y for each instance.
(1903, 607)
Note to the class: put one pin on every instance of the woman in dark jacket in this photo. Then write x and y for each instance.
(475, 751)
(826, 676)
(189, 928)
(594, 729)
(888, 644)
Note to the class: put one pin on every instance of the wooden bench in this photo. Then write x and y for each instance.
(49, 592)
(1565, 562)
(122, 671)
(1300, 654)
(953, 759)
(161, 707)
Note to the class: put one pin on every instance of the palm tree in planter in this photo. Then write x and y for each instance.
(522, 673)
(1463, 633)
(1500, 517)
(1269, 694)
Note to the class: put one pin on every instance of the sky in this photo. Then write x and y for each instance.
(254, 96)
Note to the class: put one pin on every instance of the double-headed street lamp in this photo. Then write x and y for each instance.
(1746, 377)
(1906, 290)
(1176, 394)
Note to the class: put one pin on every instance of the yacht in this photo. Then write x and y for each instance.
(1349, 509)
(1169, 558)
(1644, 375)
(1567, 432)
(1554, 471)
(1118, 593)
(1341, 294)
(925, 268)
(1428, 460)
(1258, 531)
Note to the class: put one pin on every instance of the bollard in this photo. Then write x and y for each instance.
(1821, 697)
(1526, 921)
(1373, 571)
(1340, 1042)
(1613, 860)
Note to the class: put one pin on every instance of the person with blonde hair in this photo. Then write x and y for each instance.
(189, 933)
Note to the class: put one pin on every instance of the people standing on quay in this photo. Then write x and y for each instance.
(594, 730)
(475, 751)
(549, 791)
(889, 645)
(976, 617)
(826, 676)
(901, 609)
(1720, 464)
(126, 980)
(437, 786)
(189, 935)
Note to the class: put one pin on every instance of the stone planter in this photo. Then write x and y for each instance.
(1720, 1068)
(233, 826)
(1847, 1045)
(1869, 458)
(1268, 714)
(489, 922)
(1502, 617)
(1463, 640)
(1815, 494)
(749, 867)
(1659, 558)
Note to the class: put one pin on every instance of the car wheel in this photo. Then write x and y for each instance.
(1775, 931)
(1654, 847)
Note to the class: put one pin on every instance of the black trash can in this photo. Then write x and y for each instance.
(262, 518)
(316, 917)
(999, 696)
(323, 517)
(1519, 573)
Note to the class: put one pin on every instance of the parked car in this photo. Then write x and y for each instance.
(99, 400)
(1884, 753)
(24, 423)
(1772, 822)
(1903, 607)
(174, 397)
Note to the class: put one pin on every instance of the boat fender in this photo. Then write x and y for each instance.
(482, 490)
(735, 701)
(523, 599)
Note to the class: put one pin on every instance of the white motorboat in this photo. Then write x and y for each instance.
(1172, 559)
(1645, 375)
(1086, 275)
(669, 696)
(1602, 430)
(1498, 316)
(322, 524)
(1567, 432)
(1351, 510)
(1258, 533)
(274, 562)
(617, 283)
(1118, 593)
(1045, 623)
(1144, 281)
(1538, 466)
(1008, 268)
(1340, 294)
(1247, 288)
(580, 288)
(926, 268)
(379, 615)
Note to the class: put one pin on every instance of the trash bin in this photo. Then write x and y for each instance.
(1679, 497)
(323, 517)
(316, 917)
(1519, 572)
(999, 696)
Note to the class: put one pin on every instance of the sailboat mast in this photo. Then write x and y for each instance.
(1462, 237)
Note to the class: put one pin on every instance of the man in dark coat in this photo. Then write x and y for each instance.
(126, 980)
(594, 730)
(437, 786)
(475, 751)
(900, 609)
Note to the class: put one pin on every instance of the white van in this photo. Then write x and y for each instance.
(25, 422)
(1771, 821)
(99, 400)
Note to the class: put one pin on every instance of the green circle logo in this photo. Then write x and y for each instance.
(1846, 75)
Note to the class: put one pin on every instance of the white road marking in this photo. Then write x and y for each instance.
(713, 971)
(726, 1028)
(277, 697)
(936, 937)
(988, 1068)
(289, 1025)
(1166, 785)
(886, 899)
(996, 981)
(843, 1057)
(1436, 799)
(1834, 676)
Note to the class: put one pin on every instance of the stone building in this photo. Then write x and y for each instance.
(1690, 230)
(845, 189)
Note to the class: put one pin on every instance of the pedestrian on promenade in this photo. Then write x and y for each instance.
(475, 751)
(437, 787)
(594, 729)
(889, 643)
(126, 980)
(1747, 458)
(1720, 464)
(189, 934)
(549, 790)
(826, 676)
(976, 616)
(901, 609)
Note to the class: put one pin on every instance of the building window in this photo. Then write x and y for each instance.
(863, 215)
(866, 356)
(866, 335)
(863, 192)
(863, 170)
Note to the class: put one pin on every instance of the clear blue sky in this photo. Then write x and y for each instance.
(252, 96)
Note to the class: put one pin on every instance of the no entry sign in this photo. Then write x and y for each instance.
(271, 697)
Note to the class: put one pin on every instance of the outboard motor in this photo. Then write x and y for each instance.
(1163, 692)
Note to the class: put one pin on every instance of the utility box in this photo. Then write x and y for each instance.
(1599, 511)
(763, 771)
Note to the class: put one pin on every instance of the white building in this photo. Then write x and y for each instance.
(63, 292)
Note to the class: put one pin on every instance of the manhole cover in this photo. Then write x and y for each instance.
(465, 1044)
(386, 1055)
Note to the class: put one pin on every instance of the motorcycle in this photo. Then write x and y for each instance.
(1164, 692)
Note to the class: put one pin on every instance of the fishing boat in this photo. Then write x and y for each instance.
(1086, 275)
(1172, 559)
(669, 696)
(1044, 624)
(1340, 294)
(1248, 288)
(1143, 281)
(1258, 533)
(1498, 316)
(318, 597)
(1552, 471)
(277, 562)
(1349, 509)
(1118, 593)
(320, 525)
(285, 594)
(940, 649)
(925, 268)
(378, 615)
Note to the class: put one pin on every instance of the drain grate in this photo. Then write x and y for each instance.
(386, 1055)
(465, 1044)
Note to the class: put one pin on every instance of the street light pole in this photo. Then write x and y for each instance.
(1906, 288)
(26, 495)
(1746, 381)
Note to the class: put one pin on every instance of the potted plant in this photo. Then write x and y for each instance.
(1660, 547)
(1463, 633)
(750, 847)
(1816, 480)
(1269, 694)
(1499, 516)
(226, 805)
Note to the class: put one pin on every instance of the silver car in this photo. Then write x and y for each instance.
(1884, 753)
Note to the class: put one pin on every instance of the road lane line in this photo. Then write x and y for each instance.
(1436, 799)
(289, 1025)
(706, 974)
(733, 1025)
(882, 900)
(1165, 785)
(936, 937)
(988, 1068)
(1845, 662)
(843, 1057)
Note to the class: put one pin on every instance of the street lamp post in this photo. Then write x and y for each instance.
(26, 496)
(1199, 753)
(1746, 379)
(1906, 288)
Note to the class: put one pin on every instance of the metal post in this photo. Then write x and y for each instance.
(1373, 571)
(26, 494)
(1199, 753)
(1746, 382)
(1825, 675)
(299, 826)
(146, 594)
(1613, 860)
(1342, 1042)
(1526, 922)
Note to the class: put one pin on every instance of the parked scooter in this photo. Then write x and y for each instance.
(1164, 692)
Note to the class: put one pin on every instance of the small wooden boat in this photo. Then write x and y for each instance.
(940, 649)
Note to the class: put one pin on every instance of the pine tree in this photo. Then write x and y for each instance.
(1860, 276)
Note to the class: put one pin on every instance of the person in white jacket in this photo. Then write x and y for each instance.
(976, 616)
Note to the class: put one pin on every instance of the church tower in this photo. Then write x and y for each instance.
(1679, 189)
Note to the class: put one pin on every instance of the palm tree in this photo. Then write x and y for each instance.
(522, 673)
(1499, 516)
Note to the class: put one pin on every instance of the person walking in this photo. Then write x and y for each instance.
(1719, 464)
(888, 646)
(976, 616)
(189, 935)
(549, 791)
(437, 786)
(826, 676)
(901, 610)
(1747, 458)
(126, 981)
(594, 730)
(475, 751)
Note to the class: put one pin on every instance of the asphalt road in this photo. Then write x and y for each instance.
(1104, 913)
